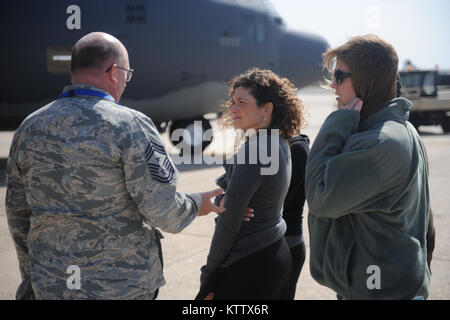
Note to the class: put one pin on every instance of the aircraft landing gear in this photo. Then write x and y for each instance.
(195, 135)
(445, 123)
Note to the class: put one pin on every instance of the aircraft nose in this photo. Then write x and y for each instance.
(301, 57)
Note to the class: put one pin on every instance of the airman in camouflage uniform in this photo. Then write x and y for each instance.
(87, 182)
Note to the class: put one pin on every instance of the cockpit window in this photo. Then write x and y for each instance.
(254, 29)
(261, 31)
(273, 12)
(248, 27)
(271, 8)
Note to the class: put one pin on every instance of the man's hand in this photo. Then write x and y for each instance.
(354, 104)
(207, 205)
(248, 214)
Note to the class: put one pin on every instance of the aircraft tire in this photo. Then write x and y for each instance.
(191, 129)
(445, 124)
(416, 124)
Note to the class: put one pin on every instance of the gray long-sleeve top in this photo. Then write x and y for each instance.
(247, 185)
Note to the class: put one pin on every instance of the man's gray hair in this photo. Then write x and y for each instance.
(94, 54)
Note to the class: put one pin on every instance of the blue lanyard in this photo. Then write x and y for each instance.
(86, 92)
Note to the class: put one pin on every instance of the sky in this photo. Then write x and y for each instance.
(418, 29)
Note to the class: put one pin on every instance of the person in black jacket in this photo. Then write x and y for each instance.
(293, 208)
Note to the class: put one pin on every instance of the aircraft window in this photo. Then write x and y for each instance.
(58, 60)
(261, 31)
(249, 28)
(254, 29)
(62, 58)
(271, 8)
(273, 13)
(227, 40)
(135, 14)
(278, 21)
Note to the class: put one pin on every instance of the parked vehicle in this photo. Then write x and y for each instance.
(430, 93)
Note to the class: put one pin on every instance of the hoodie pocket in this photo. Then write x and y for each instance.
(345, 251)
(337, 254)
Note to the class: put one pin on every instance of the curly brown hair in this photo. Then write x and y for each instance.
(266, 86)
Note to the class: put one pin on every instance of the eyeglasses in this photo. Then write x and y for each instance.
(340, 76)
(129, 71)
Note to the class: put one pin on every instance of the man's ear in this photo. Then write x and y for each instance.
(112, 74)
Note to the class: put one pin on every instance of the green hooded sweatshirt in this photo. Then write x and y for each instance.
(367, 192)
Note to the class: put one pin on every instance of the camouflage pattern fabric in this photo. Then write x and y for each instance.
(85, 179)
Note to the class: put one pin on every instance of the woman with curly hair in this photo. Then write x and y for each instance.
(252, 260)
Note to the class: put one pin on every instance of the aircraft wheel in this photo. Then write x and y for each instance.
(415, 121)
(445, 124)
(192, 136)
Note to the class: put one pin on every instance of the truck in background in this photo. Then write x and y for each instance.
(429, 91)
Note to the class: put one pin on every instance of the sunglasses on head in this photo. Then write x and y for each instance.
(340, 76)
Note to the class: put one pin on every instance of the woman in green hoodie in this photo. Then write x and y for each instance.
(367, 182)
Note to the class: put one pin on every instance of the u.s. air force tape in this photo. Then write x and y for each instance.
(158, 162)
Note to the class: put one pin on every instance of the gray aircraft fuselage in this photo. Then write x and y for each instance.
(183, 51)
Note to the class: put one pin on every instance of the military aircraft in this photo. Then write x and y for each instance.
(183, 51)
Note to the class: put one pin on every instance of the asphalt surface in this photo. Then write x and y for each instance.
(186, 252)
